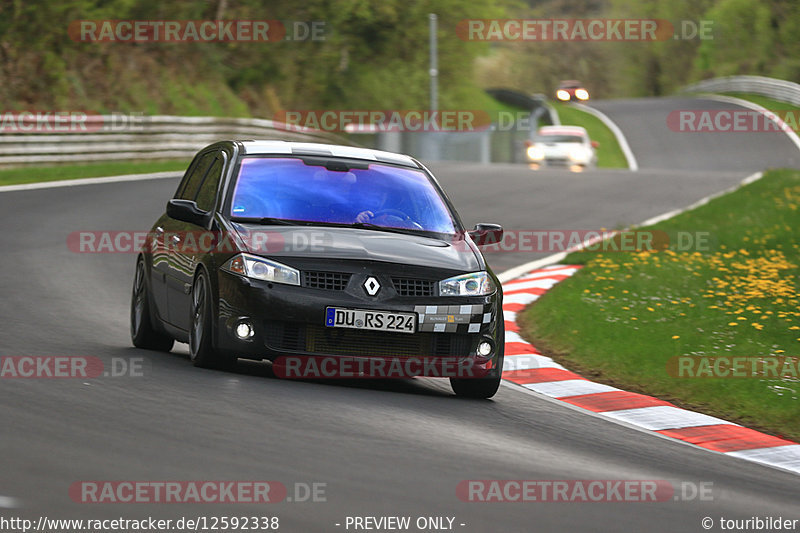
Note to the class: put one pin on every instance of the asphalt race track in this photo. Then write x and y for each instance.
(383, 448)
(659, 145)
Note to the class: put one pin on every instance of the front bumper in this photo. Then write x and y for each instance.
(289, 321)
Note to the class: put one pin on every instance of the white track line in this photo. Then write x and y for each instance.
(633, 165)
(772, 115)
(554, 118)
(703, 201)
(90, 181)
(516, 272)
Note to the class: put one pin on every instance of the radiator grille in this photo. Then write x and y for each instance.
(413, 287)
(332, 281)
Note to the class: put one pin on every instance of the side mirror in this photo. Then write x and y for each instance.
(595, 144)
(484, 234)
(187, 211)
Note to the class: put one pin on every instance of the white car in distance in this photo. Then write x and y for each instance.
(567, 146)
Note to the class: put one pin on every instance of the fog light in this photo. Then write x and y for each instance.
(244, 330)
(484, 348)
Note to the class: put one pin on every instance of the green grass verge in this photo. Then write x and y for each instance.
(13, 176)
(609, 154)
(625, 315)
(494, 107)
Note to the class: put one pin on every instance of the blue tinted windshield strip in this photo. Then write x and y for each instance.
(380, 194)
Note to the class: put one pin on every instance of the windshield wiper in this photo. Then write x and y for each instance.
(267, 221)
(370, 225)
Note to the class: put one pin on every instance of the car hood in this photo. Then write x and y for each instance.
(358, 244)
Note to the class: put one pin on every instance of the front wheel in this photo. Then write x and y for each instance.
(201, 347)
(143, 334)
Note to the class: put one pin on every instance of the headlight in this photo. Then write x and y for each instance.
(264, 269)
(475, 284)
(562, 95)
(535, 153)
(579, 154)
(581, 94)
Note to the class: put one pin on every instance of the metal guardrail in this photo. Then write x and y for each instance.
(103, 138)
(785, 91)
(137, 137)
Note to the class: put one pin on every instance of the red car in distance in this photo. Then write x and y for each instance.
(571, 90)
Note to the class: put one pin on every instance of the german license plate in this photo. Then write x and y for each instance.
(337, 317)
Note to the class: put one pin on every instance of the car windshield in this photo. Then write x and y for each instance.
(376, 195)
(559, 139)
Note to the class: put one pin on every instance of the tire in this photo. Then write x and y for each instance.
(201, 347)
(143, 334)
(476, 387)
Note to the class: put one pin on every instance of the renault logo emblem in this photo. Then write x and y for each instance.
(372, 286)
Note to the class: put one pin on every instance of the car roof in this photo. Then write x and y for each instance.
(271, 147)
(562, 130)
(570, 83)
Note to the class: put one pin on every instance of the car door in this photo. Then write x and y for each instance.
(160, 247)
(168, 237)
(188, 239)
(158, 272)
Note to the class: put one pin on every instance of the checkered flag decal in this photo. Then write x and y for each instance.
(453, 318)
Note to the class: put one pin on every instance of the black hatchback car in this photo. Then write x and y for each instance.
(330, 261)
